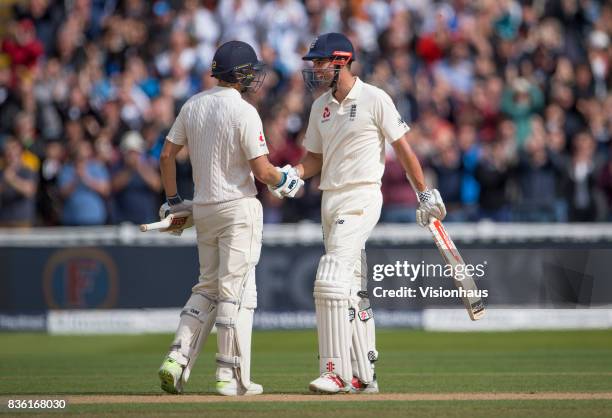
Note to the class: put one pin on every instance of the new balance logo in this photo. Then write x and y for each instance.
(340, 221)
(353, 112)
(401, 121)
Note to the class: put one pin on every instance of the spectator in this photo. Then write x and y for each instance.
(135, 182)
(521, 102)
(447, 165)
(538, 170)
(205, 27)
(45, 15)
(399, 201)
(9, 104)
(22, 46)
(84, 185)
(24, 131)
(238, 18)
(493, 173)
(605, 183)
(284, 24)
(582, 180)
(470, 153)
(458, 70)
(49, 197)
(17, 187)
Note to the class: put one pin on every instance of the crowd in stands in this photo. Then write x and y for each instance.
(509, 101)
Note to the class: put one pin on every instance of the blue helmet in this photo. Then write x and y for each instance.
(330, 46)
(236, 62)
(334, 47)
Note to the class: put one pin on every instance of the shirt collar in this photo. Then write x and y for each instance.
(353, 94)
(356, 90)
(225, 91)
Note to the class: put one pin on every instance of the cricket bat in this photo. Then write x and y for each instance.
(173, 222)
(474, 305)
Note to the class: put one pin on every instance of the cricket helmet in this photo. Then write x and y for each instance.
(237, 62)
(336, 48)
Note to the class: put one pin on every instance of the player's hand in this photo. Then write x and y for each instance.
(166, 209)
(291, 183)
(430, 205)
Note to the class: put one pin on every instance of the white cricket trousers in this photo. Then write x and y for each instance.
(229, 246)
(348, 217)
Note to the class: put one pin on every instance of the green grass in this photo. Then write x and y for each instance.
(284, 362)
(383, 409)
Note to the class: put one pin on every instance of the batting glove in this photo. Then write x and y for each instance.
(175, 204)
(430, 205)
(289, 185)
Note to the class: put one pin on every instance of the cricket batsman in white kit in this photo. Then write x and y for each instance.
(226, 142)
(345, 141)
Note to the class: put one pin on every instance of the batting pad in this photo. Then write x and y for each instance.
(197, 319)
(227, 353)
(331, 294)
(234, 331)
(244, 328)
(363, 347)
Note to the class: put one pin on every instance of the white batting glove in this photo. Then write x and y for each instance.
(290, 185)
(175, 204)
(166, 209)
(430, 205)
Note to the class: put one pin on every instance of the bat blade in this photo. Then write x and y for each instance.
(473, 304)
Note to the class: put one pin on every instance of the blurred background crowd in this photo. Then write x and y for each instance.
(509, 101)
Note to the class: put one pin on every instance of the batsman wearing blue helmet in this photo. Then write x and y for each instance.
(345, 141)
(227, 149)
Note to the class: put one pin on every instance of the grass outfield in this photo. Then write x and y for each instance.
(284, 362)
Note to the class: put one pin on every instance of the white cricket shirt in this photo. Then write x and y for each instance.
(223, 132)
(351, 135)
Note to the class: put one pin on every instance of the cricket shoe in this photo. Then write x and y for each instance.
(233, 388)
(329, 383)
(357, 386)
(170, 374)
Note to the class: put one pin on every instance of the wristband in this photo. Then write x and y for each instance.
(174, 200)
(283, 179)
(424, 196)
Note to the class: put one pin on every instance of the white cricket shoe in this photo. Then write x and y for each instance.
(357, 386)
(233, 388)
(329, 383)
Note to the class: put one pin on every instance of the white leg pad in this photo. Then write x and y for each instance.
(234, 331)
(197, 320)
(363, 348)
(227, 354)
(331, 294)
(244, 328)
